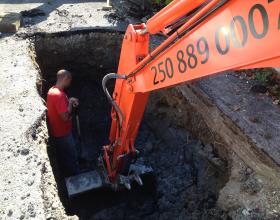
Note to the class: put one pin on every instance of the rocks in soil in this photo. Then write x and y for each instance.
(244, 174)
(30, 182)
(10, 213)
(251, 185)
(133, 8)
(248, 214)
(24, 152)
(259, 89)
(31, 210)
(20, 108)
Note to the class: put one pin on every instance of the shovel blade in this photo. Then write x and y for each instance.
(83, 182)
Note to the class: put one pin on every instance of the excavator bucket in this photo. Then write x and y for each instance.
(94, 180)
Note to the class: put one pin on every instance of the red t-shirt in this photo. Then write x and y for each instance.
(57, 103)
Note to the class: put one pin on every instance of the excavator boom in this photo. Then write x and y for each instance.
(233, 35)
(208, 37)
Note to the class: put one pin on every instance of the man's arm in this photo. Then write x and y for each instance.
(66, 116)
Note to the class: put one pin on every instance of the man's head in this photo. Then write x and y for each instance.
(64, 78)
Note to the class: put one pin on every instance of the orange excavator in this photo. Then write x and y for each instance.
(204, 37)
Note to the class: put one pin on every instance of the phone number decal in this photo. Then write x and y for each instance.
(198, 53)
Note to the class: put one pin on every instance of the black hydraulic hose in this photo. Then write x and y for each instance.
(105, 79)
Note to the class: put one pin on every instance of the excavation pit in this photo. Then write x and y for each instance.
(187, 183)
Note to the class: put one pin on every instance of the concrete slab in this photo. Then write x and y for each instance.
(83, 182)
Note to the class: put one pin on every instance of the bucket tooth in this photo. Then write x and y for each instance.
(124, 180)
(127, 185)
(138, 179)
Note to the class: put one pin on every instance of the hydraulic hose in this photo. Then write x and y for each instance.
(105, 79)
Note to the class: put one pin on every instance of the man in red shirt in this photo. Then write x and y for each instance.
(60, 123)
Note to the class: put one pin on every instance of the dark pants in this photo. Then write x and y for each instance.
(67, 154)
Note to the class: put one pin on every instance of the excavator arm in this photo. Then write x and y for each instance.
(205, 37)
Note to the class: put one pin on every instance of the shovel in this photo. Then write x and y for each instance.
(85, 181)
(80, 144)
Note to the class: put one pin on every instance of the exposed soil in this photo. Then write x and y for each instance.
(186, 182)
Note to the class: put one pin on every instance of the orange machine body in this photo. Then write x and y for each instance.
(219, 36)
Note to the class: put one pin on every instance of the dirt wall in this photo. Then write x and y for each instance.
(253, 177)
(95, 52)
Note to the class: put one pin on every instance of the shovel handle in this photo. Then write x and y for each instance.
(75, 110)
(76, 113)
(78, 126)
